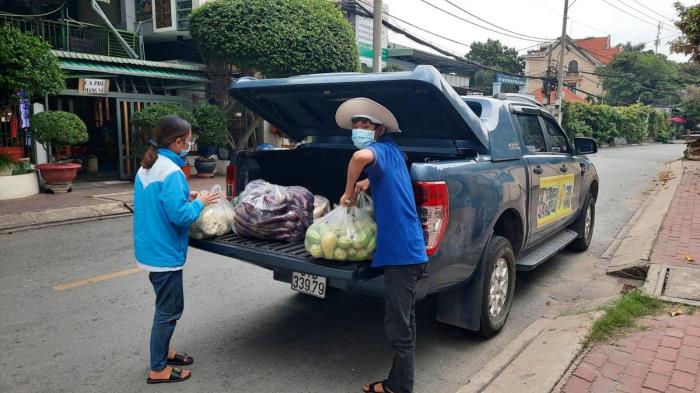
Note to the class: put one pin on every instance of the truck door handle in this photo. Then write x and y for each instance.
(564, 168)
(537, 170)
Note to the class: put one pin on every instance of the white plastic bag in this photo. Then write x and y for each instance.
(321, 206)
(344, 234)
(365, 203)
(215, 219)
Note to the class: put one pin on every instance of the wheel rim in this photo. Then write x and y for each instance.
(498, 287)
(589, 222)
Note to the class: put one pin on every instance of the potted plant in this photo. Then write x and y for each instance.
(211, 129)
(23, 182)
(7, 164)
(55, 128)
(146, 120)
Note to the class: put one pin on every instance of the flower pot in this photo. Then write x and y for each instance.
(205, 168)
(20, 186)
(58, 173)
(15, 152)
(221, 166)
(6, 170)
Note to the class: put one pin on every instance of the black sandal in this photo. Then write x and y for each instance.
(175, 376)
(375, 384)
(181, 360)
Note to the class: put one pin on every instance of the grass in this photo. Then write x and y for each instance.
(622, 314)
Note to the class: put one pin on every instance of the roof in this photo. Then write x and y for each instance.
(444, 64)
(175, 65)
(599, 47)
(131, 70)
(569, 96)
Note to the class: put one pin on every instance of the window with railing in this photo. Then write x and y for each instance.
(572, 69)
(74, 36)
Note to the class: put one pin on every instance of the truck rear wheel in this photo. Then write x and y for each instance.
(499, 285)
(584, 226)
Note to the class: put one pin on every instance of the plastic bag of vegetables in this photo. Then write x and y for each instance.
(365, 203)
(344, 234)
(215, 219)
(271, 212)
(321, 206)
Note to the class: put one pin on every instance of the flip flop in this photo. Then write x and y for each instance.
(375, 384)
(175, 376)
(181, 360)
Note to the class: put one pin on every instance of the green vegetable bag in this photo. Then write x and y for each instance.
(344, 234)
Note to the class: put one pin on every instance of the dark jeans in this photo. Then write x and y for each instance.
(400, 323)
(169, 305)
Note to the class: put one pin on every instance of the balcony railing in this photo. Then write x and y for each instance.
(74, 36)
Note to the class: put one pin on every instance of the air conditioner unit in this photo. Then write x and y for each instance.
(171, 15)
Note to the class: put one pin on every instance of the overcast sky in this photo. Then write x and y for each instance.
(537, 18)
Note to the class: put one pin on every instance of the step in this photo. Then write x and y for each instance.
(534, 257)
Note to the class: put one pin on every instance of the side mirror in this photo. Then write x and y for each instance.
(585, 145)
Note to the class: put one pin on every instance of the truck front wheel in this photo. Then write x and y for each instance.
(499, 285)
(584, 226)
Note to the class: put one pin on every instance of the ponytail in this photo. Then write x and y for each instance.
(169, 129)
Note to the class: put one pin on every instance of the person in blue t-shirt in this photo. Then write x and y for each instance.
(400, 242)
(164, 208)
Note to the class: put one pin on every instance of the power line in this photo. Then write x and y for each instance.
(480, 26)
(647, 15)
(627, 13)
(572, 19)
(428, 31)
(487, 22)
(642, 4)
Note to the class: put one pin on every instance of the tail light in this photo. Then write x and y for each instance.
(433, 203)
(231, 190)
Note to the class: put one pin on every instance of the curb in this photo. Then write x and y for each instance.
(537, 359)
(629, 253)
(25, 221)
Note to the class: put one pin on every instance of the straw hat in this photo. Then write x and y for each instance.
(364, 107)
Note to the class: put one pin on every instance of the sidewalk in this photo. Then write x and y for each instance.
(88, 200)
(665, 355)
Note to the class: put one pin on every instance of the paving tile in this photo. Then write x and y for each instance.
(576, 385)
(675, 389)
(660, 366)
(665, 353)
(619, 357)
(654, 334)
(687, 365)
(586, 371)
(649, 343)
(689, 352)
(597, 358)
(637, 369)
(691, 340)
(603, 385)
(656, 381)
(692, 330)
(643, 356)
(611, 370)
(671, 342)
(628, 345)
(630, 383)
(683, 380)
(694, 320)
(674, 332)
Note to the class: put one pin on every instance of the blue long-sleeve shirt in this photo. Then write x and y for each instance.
(163, 214)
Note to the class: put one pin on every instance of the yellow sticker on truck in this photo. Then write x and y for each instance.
(555, 199)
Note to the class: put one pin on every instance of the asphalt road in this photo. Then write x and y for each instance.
(247, 332)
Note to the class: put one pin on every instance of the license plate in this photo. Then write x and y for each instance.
(309, 284)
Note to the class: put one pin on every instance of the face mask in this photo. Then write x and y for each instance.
(183, 152)
(362, 138)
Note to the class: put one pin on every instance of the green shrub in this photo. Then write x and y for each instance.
(58, 128)
(146, 120)
(211, 126)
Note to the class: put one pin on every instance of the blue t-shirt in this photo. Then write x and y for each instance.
(400, 238)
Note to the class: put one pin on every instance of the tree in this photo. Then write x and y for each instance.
(56, 128)
(392, 68)
(630, 47)
(690, 107)
(689, 24)
(494, 54)
(27, 63)
(146, 120)
(640, 77)
(277, 38)
(210, 125)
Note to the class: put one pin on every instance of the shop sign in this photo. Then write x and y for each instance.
(93, 86)
(510, 79)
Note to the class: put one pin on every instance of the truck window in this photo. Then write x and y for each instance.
(557, 139)
(532, 133)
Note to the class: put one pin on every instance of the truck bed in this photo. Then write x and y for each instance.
(283, 257)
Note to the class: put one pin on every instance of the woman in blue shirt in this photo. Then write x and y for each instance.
(400, 242)
(164, 208)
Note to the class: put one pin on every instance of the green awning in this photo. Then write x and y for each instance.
(131, 70)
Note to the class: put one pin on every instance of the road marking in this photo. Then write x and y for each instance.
(96, 279)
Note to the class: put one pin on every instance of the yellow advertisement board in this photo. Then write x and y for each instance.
(555, 200)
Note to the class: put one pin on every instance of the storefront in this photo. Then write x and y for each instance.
(105, 92)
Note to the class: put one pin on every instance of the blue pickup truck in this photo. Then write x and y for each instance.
(498, 184)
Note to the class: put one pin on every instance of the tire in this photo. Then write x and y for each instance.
(584, 226)
(499, 276)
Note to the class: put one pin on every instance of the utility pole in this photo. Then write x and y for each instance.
(658, 40)
(377, 37)
(560, 66)
(547, 85)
